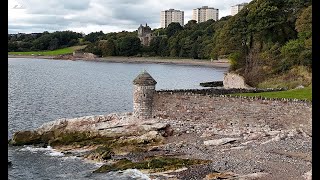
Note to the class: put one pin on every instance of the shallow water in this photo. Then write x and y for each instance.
(41, 90)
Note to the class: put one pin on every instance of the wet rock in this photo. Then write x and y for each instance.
(25, 138)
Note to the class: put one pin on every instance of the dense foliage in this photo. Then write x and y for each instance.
(42, 41)
(266, 38)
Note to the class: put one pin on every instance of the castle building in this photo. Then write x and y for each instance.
(204, 14)
(171, 15)
(145, 34)
(236, 8)
(143, 91)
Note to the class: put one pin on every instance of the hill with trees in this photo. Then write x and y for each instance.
(269, 42)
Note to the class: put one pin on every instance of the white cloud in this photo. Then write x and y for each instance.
(95, 15)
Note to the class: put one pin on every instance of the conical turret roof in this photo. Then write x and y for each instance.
(144, 78)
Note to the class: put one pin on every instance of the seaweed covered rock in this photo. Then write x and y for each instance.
(25, 138)
(152, 164)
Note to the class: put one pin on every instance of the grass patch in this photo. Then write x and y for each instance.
(301, 94)
(153, 164)
(67, 50)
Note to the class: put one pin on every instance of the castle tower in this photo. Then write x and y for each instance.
(143, 90)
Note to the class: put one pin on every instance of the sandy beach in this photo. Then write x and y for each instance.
(223, 63)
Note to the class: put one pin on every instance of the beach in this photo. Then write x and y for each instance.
(223, 63)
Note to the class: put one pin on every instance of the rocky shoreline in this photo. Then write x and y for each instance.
(223, 63)
(175, 149)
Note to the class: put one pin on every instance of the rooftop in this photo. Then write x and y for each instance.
(144, 78)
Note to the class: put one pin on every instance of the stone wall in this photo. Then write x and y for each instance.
(142, 101)
(244, 111)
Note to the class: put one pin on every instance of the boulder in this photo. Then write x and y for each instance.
(25, 138)
(84, 128)
(232, 80)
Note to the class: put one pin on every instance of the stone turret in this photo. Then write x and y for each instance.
(143, 91)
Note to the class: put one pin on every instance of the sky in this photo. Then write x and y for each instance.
(86, 16)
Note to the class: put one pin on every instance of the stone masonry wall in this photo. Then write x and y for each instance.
(142, 101)
(243, 111)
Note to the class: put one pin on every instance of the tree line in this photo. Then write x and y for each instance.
(266, 37)
(42, 41)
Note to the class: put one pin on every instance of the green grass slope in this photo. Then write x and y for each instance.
(301, 94)
(67, 50)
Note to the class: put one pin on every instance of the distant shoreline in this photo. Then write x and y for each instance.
(223, 63)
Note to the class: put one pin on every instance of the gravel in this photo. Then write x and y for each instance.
(285, 155)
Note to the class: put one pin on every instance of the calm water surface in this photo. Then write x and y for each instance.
(42, 90)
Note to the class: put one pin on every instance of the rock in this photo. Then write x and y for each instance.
(255, 136)
(9, 164)
(238, 147)
(252, 176)
(232, 80)
(279, 137)
(167, 131)
(299, 87)
(217, 142)
(151, 135)
(292, 133)
(154, 148)
(248, 142)
(272, 133)
(52, 125)
(307, 175)
(219, 175)
(26, 138)
(206, 134)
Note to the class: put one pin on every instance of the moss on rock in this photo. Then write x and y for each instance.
(101, 153)
(25, 138)
(152, 164)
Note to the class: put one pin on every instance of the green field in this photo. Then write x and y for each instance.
(67, 50)
(302, 94)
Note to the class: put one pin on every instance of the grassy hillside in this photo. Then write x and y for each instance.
(302, 94)
(67, 50)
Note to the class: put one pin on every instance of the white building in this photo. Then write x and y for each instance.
(236, 8)
(205, 13)
(171, 15)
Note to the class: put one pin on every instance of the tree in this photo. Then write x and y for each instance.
(94, 36)
(191, 24)
(163, 47)
(129, 46)
(173, 28)
(53, 44)
(107, 47)
(155, 45)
